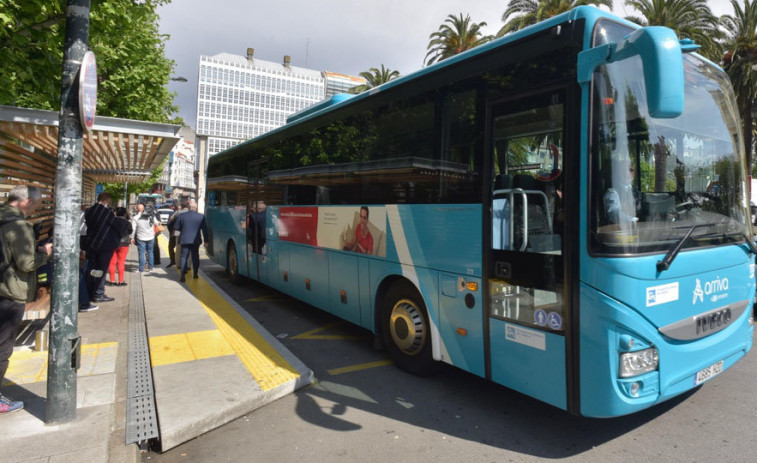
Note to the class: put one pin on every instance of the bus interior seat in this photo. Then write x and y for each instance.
(658, 205)
(503, 182)
(540, 234)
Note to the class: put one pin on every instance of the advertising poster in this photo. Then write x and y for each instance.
(298, 224)
(355, 228)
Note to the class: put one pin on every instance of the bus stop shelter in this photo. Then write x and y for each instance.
(114, 151)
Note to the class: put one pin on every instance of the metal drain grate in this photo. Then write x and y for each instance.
(141, 416)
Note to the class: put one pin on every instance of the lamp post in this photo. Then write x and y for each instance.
(179, 79)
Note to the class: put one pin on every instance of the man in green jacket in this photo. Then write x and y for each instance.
(18, 278)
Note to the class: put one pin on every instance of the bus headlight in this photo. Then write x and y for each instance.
(639, 362)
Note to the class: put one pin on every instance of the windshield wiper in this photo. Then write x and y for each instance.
(749, 243)
(664, 264)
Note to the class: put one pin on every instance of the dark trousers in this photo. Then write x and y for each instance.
(83, 291)
(156, 252)
(11, 314)
(172, 249)
(98, 260)
(186, 249)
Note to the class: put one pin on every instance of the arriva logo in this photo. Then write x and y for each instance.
(710, 288)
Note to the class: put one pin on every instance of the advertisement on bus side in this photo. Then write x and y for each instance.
(360, 229)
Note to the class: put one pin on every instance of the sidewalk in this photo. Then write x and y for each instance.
(210, 363)
(97, 432)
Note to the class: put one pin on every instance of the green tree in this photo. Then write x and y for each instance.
(524, 13)
(132, 67)
(739, 57)
(375, 77)
(688, 18)
(116, 190)
(457, 36)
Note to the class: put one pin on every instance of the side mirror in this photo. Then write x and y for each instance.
(662, 62)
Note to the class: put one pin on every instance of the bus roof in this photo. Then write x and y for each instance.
(589, 13)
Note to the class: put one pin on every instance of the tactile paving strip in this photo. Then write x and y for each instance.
(141, 416)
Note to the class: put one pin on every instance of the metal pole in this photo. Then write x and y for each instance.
(126, 195)
(64, 335)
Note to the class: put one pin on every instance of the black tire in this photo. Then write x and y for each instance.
(232, 265)
(406, 331)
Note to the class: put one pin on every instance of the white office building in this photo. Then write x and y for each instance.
(340, 83)
(240, 97)
(178, 177)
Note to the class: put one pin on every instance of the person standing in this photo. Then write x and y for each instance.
(189, 225)
(256, 227)
(103, 234)
(18, 277)
(172, 237)
(118, 261)
(143, 236)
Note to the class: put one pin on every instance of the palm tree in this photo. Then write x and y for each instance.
(740, 56)
(688, 18)
(458, 35)
(375, 77)
(523, 13)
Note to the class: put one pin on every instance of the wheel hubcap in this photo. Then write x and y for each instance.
(407, 327)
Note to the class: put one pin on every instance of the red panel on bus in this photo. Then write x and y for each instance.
(299, 225)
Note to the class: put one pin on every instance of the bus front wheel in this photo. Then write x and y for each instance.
(232, 265)
(405, 330)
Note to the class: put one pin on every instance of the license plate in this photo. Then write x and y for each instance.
(709, 372)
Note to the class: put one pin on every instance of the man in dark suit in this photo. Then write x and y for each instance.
(189, 225)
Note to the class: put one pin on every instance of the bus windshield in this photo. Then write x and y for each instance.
(654, 180)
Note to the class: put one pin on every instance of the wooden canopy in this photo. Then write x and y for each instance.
(115, 150)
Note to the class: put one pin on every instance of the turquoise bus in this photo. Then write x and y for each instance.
(562, 211)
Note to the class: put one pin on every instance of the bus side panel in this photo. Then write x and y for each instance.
(529, 361)
(309, 275)
(445, 237)
(343, 276)
(227, 225)
(461, 327)
(281, 266)
(367, 296)
(265, 269)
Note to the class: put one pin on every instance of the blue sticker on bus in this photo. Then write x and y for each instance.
(555, 320)
(540, 317)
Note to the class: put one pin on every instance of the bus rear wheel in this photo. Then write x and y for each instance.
(232, 265)
(405, 330)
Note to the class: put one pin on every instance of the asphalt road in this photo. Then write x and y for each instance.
(363, 409)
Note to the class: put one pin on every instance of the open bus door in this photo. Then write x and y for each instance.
(256, 221)
(525, 242)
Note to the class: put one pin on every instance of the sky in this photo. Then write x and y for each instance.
(344, 36)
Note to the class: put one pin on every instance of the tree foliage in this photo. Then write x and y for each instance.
(457, 35)
(132, 67)
(688, 18)
(375, 77)
(739, 57)
(524, 13)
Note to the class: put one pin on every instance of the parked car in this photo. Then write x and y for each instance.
(164, 213)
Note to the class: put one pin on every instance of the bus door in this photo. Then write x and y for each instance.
(524, 267)
(256, 222)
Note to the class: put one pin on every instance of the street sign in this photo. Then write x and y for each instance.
(88, 90)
